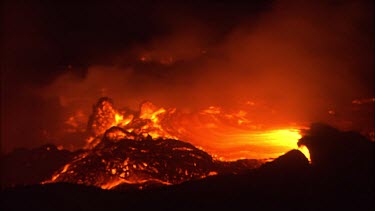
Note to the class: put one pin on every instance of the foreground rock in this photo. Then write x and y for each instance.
(27, 167)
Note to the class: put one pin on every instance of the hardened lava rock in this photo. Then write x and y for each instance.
(135, 161)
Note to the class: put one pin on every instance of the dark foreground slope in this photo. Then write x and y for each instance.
(287, 183)
(269, 187)
(28, 167)
(156, 161)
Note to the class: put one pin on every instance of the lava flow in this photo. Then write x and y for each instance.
(143, 148)
(227, 135)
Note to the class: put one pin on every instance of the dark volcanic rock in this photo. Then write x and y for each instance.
(25, 167)
(131, 161)
(292, 161)
(120, 159)
(287, 183)
(237, 167)
(289, 171)
(340, 156)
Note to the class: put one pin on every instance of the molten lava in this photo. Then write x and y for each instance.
(227, 135)
(152, 161)
(142, 148)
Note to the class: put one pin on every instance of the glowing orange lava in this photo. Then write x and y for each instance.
(253, 144)
(225, 135)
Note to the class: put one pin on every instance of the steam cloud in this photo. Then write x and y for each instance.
(301, 59)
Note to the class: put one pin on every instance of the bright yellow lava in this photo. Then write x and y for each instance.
(306, 152)
(287, 138)
(262, 144)
(284, 137)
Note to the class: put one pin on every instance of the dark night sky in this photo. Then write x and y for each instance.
(40, 39)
